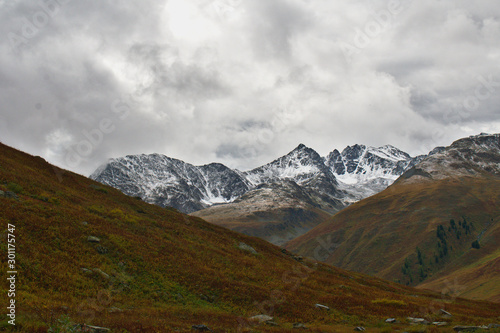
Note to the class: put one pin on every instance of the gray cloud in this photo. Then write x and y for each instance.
(243, 82)
(279, 21)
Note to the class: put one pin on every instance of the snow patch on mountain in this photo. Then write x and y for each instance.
(291, 172)
(363, 171)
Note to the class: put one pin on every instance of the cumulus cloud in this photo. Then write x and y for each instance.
(242, 82)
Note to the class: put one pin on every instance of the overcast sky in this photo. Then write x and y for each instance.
(242, 82)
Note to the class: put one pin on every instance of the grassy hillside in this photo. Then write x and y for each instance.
(85, 253)
(421, 233)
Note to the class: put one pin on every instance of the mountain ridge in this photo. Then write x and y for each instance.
(167, 181)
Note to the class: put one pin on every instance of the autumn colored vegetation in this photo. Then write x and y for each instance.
(86, 253)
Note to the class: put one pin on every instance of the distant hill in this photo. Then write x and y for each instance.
(437, 225)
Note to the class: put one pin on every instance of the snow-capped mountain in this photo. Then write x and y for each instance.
(305, 167)
(333, 181)
(363, 171)
(302, 165)
(470, 156)
(166, 181)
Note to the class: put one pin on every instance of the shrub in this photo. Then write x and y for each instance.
(117, 213)
(475, 244)
(98, 188)
(16, 188)
(99, 210)
(63, 325)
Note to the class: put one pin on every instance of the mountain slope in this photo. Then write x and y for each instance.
(421, 228)
(473, 156)
(277, 212)
(87, 251)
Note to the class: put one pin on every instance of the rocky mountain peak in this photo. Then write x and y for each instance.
(301, 153)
